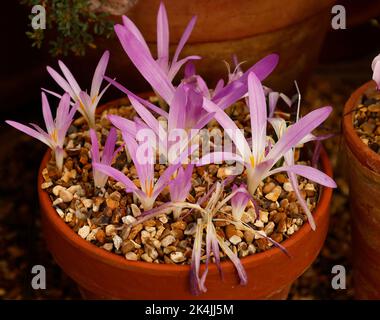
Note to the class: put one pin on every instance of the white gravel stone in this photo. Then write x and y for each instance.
(167, 241)
(60, 212)
(57, 201)
(117, 241)
(145, 235)
(84, 231)
(87, 203)
(235, 239)
(190, 229)
(287, 186)
(108, 246)
(57, 189)
(110, 230)
(46, 185)
(177, 257)
(128, 219)
(65, 195)
(131, 256)
(135, 210)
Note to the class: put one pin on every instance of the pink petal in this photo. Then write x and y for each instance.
(297, 132)
(61, 82)
(258, 112)
(162, 36)
(47, 113)
(230, 128)
(31, 132)
(115, 174)
(185, 36)
(94, 147)
(145, 63)
(132, 28)
(309, 173)
(98, 74)
(109, 147)
(70, 78)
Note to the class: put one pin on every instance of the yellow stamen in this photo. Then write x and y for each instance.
(54, 135)
(149, 188)
(252, 160)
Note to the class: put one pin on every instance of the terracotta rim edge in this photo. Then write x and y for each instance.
(362, 152)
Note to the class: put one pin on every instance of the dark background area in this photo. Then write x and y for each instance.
(344, 65)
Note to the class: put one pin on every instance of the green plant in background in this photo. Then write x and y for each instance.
(72, 24)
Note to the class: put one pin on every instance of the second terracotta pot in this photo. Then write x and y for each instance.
(101, 274)
(363, 166)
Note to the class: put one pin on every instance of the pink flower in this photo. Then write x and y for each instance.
(55, 135)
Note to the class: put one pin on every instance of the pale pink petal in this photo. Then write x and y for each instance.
(99, 74)
(47, 113)
(69, 77)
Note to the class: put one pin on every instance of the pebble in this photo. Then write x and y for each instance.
(60, 212)
(235, 239)
(146, 257)
(290, 230)
(177, 257)
(374, 108)
(167, 241)
(112, 204)
(108, 246)
(76, 189)
(249, 236)
(65, 195)
(287, 186)
(100, 236)
(145, 235)
(117, 241)
(368, 127)
(84, 231)
(57, 189)
(274, 194)
(131, 256)
(263, 216)
(57, 202)
(110, 230)
(46, 185)
(190, 229)
(163, 218)
(135, 210)
(87, 203)
(268, 187)
(128, 219)
(179, 225)
(268, 229)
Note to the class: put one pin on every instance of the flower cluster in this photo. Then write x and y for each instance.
(190, 105)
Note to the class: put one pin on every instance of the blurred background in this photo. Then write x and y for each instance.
(328, 64)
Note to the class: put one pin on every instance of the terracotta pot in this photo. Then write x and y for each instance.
(364, 178)
(250, 29)
(101, 274)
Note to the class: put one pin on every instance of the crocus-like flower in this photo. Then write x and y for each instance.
(239, 202)
(144, 164)
(108, 154)
(54, 138)
(87, 102)
(376, 70)
(259, 160)
(180, 186)
(159, 73)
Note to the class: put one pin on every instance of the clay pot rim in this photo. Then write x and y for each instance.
(119, 261)
(362, 152)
